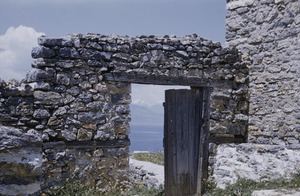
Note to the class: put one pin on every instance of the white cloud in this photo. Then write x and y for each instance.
(15, 51)
(15, 60)
(150, 95)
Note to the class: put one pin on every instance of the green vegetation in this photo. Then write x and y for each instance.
(244, 187)
(157, 158)
(138, 190)
(77, 189)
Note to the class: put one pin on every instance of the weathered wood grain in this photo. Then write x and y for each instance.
(186, 140)
(167, 80)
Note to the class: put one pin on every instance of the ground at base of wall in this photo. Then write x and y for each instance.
(149, 174)
(281, 192)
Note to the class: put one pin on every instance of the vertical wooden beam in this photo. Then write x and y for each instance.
(204, 135)
(206, 117)
(170, 144)
(186, 141)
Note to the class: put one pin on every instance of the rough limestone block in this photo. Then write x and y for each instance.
(253, 161)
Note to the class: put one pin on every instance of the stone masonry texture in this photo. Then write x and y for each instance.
(267, 34)
(76, 98)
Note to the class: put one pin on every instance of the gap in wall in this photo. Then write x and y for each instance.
(147, 116)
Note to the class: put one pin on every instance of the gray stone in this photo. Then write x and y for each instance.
(48, 97)
(68, 135)
(42, 52)
(40, 85)
(231, 165)
(91, 117)
(51, 132)
(85, 96)
(182, 53)
(62, 78)
(84, 135)
(94, 54)
(68, 53)
(60, 111)
(102, 135)
(74, 90)
(41, 114)
(48, 41)
(36, 75)
(123, 109)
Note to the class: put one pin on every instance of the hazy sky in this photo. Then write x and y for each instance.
(124, 17)
(22, 21)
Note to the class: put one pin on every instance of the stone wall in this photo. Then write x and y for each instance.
(267, 33)
(77, 96)
(20, 162)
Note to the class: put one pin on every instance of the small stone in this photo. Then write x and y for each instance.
(48, 97)
(98, 153)
(63, 78)
(42, 52)
(53, 121)
(68, 53)
(68, 135)
(182, 53)
(45, 137)
(60, 111)
(102, 135)
(49, 41)
(36, 75)
(91, 117)
(84, 135)
(41, 114)
(90, 126)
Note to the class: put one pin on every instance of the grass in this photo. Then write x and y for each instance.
(157, 158)
(77, 189)
(74, 189)
(245, 187)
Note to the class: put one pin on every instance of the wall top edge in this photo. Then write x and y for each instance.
(233, 4)
(67, 41)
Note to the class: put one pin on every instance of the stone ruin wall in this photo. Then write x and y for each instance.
(267, 33)
(72, 110)
(74, 103)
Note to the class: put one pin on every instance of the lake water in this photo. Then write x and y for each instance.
(146, 138)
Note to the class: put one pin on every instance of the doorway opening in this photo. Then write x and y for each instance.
(147, 117)
(185, 135)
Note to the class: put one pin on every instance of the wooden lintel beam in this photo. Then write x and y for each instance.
(225, 140)
(87, 144)
(167, 80)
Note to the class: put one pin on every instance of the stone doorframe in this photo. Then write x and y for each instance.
(77, 97)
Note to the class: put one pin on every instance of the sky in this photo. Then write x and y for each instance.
(22, 21)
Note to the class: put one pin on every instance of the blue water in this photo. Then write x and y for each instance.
(146, 138)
